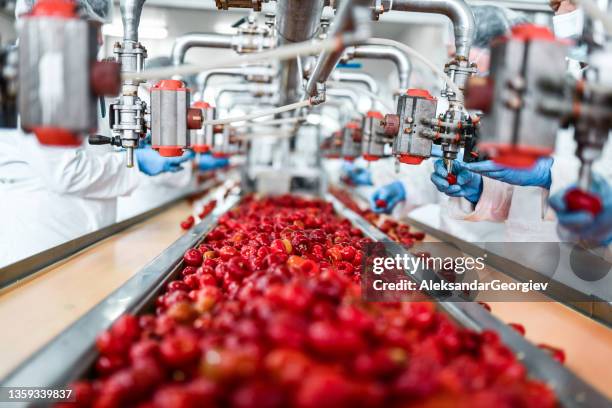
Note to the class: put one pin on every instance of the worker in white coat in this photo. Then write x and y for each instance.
(51, 195)
(519, 198)
(409, 192)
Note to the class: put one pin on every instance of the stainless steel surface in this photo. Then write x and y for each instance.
(169, 110)
(456, 10)
(369, 50)
(130, 15)
(185, 42)
(358, 78)
(343, 22)
(296, 21)
(412, 139)
(570, 390)
(517, 70)
(35, 263)
(57, 51)
(71, 353)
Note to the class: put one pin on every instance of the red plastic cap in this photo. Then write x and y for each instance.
(55, 8)
(519, 156)
(57, 137)
(353, 125)
(374, 114)
(169, 151)
(201, 105)
(408, 159)
(370, 157)
(201, 148)
(530, 32)
(170, 85)
(349, 158)
(421, 93)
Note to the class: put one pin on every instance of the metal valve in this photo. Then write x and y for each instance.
(60, 79)
(227, 4)
(331, 148)
(411, 126)
(374, 138)
(351, 141)
(172, 118)
(226, 143)
(517, 130)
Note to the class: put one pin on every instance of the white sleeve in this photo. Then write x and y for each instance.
(494, 203)
(83, 172)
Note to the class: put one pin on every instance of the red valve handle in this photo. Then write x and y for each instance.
(579, 200)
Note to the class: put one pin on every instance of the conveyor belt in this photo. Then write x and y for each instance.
(70, 354)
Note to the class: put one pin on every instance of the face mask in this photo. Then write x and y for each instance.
(569, 25)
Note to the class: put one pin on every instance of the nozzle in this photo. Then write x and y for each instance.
(130, 156)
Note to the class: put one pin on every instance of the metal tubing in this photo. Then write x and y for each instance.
(457, 11)
(297, 21)
(130, 15)
(344, 93)
(204, 77)
(370, 50)
(327, 60)
(183, 43)
(359, 78)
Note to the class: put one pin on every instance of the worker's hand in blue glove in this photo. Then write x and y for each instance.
(358, 175)
(389, 195)
(468, 185)
(209, 162)
(152, 164)
(361, 176)
(538, 175)
(582, 225)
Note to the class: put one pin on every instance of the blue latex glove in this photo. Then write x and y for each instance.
(358, 175)
(392, 194)
(209, 162)
(361, 176)
(538, 175)
(152, 164)
(469, 184)
(582, 225)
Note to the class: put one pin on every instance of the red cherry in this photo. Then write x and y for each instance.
(193, 257)
(518, 327)
(188, 223)
(555, 353)
(179, 350)
(178, 286)
(452, 179)
(579, 200)
(380, 203)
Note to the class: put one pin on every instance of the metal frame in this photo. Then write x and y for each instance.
(596, 309)
(70, 354)
(570, 389)
(36, 263)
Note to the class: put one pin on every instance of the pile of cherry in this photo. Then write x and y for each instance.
(397, 231)
(267, 312)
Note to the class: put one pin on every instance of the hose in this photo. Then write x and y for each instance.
(256, 115)
(417, 55)
(274, 122)
(281, 53)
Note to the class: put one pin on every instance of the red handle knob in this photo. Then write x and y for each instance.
(579, 200)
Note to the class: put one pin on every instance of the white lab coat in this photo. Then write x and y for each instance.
(155, 191)
(51, 195)
(524, 210)
(426, 204)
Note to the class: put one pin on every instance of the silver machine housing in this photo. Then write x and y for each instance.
(169, 110)
(413, 139)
